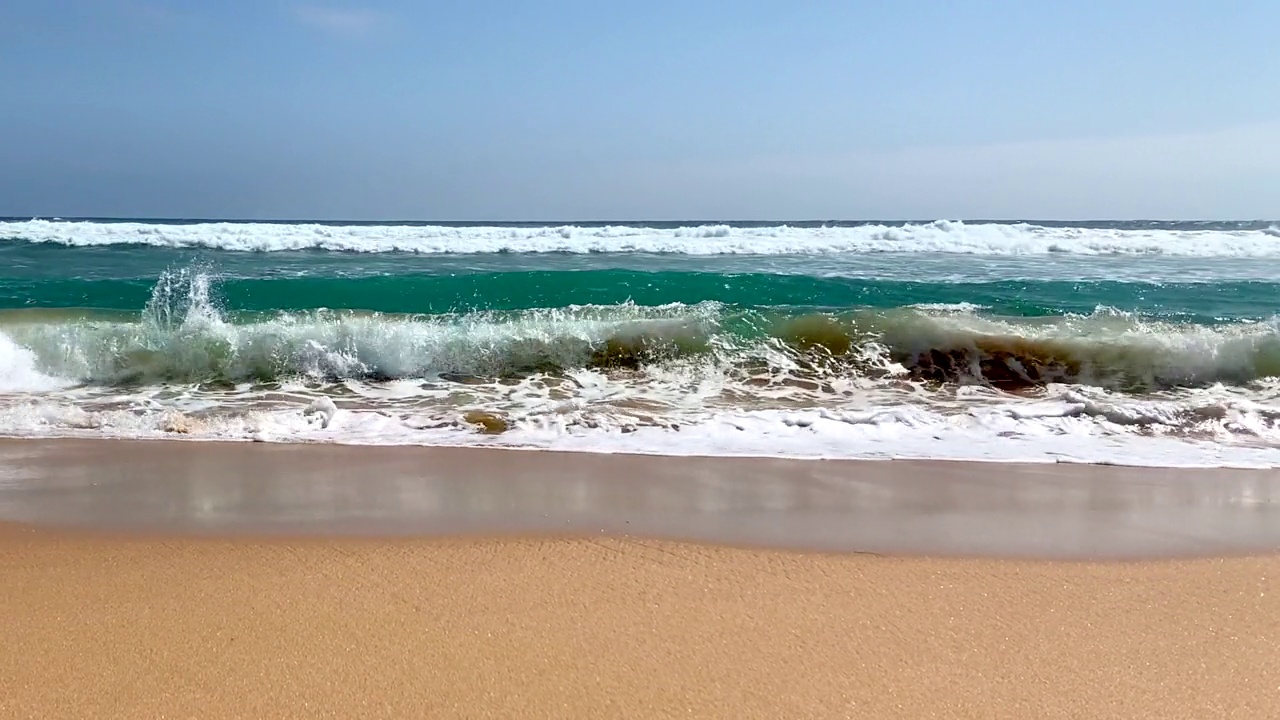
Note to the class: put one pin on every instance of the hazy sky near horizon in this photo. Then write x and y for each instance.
(381, 109)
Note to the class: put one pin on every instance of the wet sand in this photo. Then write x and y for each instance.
(319, 599)
(898, 507)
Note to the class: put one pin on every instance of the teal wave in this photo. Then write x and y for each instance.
(183, 339)
(506, 291)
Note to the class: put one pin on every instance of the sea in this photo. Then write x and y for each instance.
(1139, 343)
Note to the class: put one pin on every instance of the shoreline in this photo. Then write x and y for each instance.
(901, 507)
(182, 428)
(182, 438)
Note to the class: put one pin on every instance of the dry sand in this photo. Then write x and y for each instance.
(110, 627)
(201, 580)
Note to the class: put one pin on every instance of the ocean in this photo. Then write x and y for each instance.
(1143, 343)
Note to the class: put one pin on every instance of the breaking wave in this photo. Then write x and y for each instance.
(183, 337)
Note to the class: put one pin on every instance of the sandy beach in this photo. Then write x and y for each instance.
(108, 616)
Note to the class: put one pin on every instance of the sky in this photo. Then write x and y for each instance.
(614, 110)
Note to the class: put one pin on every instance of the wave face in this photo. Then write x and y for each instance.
(183, 337)
(1257, 239)
(1091, 358)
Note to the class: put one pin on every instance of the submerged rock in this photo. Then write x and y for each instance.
(487, 422)
(1009, 364)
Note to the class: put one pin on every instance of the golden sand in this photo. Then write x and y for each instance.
(108, 627)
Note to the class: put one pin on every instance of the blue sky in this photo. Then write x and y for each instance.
(640, 110)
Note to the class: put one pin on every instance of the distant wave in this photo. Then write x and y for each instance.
(934, 237)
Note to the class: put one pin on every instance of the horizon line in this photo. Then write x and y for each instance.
(611, 221)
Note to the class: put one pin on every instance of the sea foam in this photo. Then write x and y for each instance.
(18, 371)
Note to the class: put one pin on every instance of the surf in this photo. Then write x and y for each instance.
(700, 361)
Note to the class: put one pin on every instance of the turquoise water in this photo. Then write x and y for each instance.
(416, 292)
(940, 318)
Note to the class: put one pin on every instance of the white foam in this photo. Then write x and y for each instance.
(934, 237)
(1210, 428)
(323, 409)
(18, 371)
(960, 307)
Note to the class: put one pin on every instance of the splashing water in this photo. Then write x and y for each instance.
(182, 298)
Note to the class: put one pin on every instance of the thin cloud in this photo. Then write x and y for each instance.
(339, 21)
